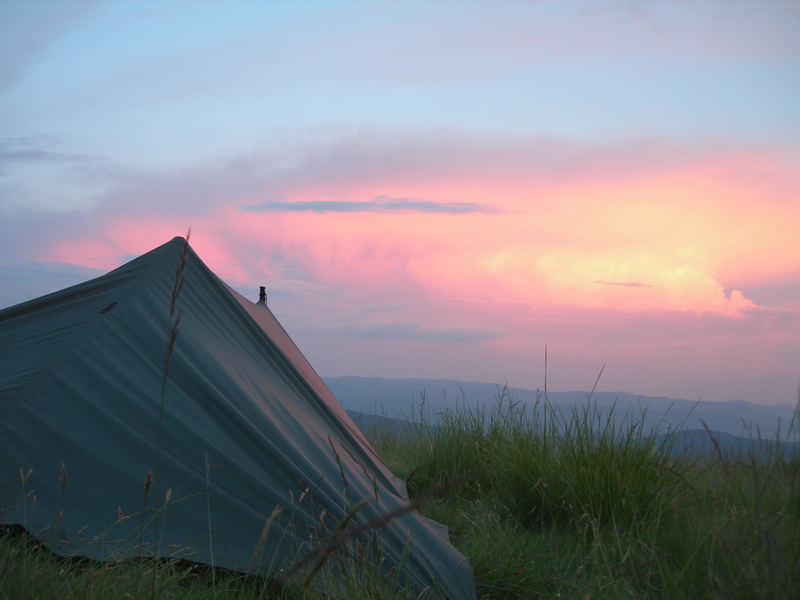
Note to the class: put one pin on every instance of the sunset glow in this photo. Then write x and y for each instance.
(442, 210)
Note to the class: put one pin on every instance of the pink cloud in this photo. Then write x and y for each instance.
(494, 287)
(562, 218)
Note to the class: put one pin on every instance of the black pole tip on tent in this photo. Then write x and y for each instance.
(262, 295)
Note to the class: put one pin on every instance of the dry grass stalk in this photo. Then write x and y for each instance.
(263, 537)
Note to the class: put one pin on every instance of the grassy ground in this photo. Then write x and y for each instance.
(548, 506)
(577, 507)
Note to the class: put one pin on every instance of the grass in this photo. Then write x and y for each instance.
(564, 506)
(583, 505)
(29, 570)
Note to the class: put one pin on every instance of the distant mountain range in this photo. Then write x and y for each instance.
(401, 399)
(694, 442)
(702, 442)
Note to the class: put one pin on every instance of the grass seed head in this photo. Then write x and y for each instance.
(148, 481)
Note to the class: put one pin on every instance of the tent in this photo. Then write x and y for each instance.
(245, 426)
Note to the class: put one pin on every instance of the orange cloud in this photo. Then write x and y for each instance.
(680, 228)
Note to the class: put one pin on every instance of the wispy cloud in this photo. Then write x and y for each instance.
(379, 204)
(38, 149)
(40, 156)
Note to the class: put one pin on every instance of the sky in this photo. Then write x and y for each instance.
(432, 189)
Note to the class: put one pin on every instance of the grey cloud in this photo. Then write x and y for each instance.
(41, 150)
(264, 180)
(773, 294)
(410, 331)
(32, 155)
(379, 204)
(23, 233)
(666, 328)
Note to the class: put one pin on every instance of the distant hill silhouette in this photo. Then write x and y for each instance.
(701, 442)
(693, 442)
(400, 398)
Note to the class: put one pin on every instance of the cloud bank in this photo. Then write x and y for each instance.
(569, 245)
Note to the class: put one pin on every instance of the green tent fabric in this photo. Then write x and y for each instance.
(80, 384)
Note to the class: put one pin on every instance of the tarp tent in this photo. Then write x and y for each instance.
(80, 384)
